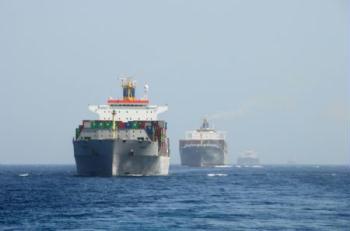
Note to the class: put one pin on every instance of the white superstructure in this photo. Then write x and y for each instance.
(127, 113)
(129, 108)
(205, 133)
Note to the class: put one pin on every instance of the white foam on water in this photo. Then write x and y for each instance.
(250, 166)
(223, 166)
(217, 174)
(23, 174)
(135, 175)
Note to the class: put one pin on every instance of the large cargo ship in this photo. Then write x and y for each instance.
(248, 158)
(204, 147)
(126, 140)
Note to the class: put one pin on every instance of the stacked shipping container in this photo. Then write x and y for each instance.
(156, 130)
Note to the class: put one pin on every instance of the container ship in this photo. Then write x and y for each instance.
(204, 147)
(248, 159)
(126, 140)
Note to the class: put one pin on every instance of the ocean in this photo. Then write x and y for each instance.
(268, 198)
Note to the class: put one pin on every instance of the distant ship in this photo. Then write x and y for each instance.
(126, 140)
(204, 147)
(248, 159)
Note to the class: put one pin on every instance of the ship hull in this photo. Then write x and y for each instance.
(114, 157)
(248, 161)
(203, 156)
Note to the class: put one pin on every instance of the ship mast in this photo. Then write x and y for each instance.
(113, 125)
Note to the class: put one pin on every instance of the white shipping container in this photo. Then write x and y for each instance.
(87, 124)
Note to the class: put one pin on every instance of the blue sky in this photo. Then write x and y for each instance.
(273, 74)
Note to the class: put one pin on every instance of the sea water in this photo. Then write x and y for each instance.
(267, 198)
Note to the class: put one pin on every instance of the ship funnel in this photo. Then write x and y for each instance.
(129, 87)
(205, 124)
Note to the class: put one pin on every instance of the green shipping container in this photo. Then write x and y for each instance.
(135, 125)
(77, 133)
(103, 124)
(93, 124)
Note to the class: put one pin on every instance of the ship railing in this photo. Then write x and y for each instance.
(201, 145)
(198, 135)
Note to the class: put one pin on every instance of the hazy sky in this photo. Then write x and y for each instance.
(273, 74)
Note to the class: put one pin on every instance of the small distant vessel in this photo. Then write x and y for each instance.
(126, 140)
(204, 147)
(248, 159)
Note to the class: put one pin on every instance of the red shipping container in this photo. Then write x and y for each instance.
(143, 124)
(121, 125)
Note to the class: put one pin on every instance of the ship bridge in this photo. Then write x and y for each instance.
(205, 132)
(129, 108)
